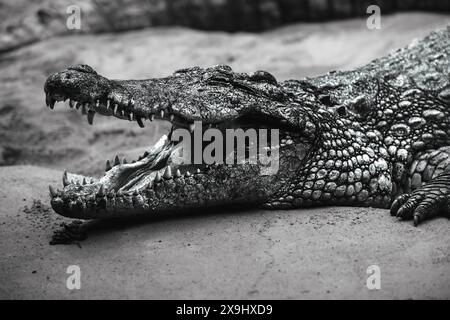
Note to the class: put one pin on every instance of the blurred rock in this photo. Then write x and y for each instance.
(23, 22)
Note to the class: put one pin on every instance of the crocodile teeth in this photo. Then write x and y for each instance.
(47, 99)
(161, 113)
(71, 104)
(124, 161)
(116, 106)
(198, 171)
(108, 104)
(65, 179)
(187, 174)
(130, 116)
(192, 127)
(84, 108)
(90, 116)
(168, 173)
(140, 122)
(177, 173)
(152, 117)
(97, 104)
(108, 165)
(116, 161)
(84, 181)
(101, 192)
(157, 177)
(52, 103)
(171, 117)
(52, 191)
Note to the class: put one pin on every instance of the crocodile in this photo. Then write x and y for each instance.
(378, 136)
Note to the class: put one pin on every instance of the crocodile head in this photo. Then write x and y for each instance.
(204, 106)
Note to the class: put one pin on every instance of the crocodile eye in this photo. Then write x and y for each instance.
(82, 68)
(263, 76)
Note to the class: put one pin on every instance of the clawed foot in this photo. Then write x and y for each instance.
(425, 202)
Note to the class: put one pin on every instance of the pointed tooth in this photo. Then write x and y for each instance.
(131, 116)
(90, 116)
(92, 181)
(168, 173)
(187, 174)
(108, 165)
(53, 192)
(169, 136)
(116, 107)
(47, 99)
(65, 179)
(97, 104)
(71, 105)
(158, 177)
(177, 173)
(52, 103)
(140, 122)
(84, 181)
(78, 105)
(101, 192)
(108, 103)
(84, 108)
(152, 117)
(124, 161)
(116, 161)
(171, 117)
(161, 113)
(198, 171)
(191, 127)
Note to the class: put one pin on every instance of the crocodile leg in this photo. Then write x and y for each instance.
(430, 185)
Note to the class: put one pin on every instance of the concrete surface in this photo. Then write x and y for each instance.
(320, 253)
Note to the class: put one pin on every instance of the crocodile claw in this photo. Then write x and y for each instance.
(430, 200)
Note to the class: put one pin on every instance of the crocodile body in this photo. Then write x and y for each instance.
(375, 136)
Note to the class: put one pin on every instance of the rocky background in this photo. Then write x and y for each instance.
(23, 22)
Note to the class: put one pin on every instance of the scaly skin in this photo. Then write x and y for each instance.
(359, 138)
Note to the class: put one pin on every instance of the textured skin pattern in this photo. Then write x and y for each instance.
(359, 138)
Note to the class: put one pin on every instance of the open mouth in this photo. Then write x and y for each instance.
(155, 165)
(161, 163)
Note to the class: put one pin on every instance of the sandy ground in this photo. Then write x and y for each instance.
(320, 253)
